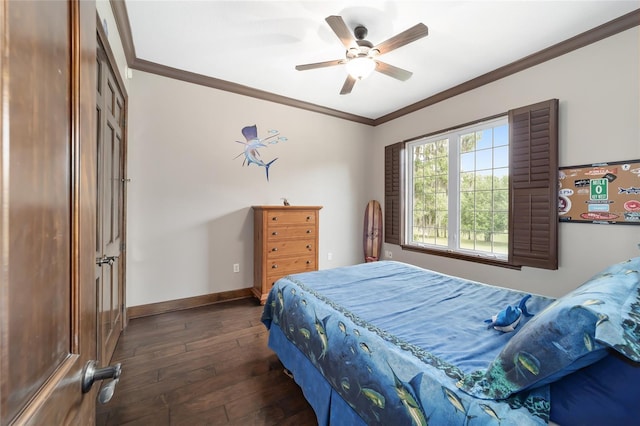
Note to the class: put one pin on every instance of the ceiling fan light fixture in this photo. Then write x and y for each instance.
(360, 67)
(361, 55)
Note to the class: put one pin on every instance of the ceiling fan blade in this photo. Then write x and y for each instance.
(342, 31)
(391, 71)
(348, 85)
(412, 34)
(320, 65)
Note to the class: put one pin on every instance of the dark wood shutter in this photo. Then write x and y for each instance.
(533, 183)
(393, 177)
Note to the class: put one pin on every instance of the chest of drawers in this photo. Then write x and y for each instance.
(285, 241)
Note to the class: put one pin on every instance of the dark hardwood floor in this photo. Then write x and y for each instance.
(203, 366)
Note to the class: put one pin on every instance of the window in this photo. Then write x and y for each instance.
(485, 192)
(458, 190)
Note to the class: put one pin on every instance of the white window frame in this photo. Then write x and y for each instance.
(453, 226)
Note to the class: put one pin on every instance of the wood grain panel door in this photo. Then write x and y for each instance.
(47, 210)
(110, 107)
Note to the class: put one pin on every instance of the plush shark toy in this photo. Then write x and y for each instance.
(508, 319)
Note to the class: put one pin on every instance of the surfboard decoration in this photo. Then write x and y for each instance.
(372, 235)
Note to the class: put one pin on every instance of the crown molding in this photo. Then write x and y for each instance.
(593, 35)
(608, 29)
(227, 86)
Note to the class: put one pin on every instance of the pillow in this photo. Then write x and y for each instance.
(605, 393)
(571, 333)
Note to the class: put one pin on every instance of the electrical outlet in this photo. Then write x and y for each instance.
(236, 267)
(388, 254)
(329, 256)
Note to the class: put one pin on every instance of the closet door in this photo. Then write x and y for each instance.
(110, 107)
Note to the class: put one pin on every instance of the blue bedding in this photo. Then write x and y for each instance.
(394, 342)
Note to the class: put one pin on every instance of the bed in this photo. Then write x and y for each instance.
(391, 343)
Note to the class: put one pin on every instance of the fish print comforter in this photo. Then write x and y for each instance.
(393, 340)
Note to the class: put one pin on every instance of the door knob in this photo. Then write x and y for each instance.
(106, 260)
(101, 260)
(91, 374)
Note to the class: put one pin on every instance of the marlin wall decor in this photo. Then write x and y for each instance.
(254, 143)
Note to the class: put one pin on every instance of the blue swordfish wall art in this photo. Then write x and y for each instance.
(254, 143)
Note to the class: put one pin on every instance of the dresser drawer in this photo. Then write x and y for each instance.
(285, 242)
(279, 232)
(289, 248)
(291, 265)
(296, 217)
(271, 280)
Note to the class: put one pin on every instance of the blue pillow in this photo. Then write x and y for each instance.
(605, 393)
(573, 332)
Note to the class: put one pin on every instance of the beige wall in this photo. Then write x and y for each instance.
(189, 199)
(599, 114)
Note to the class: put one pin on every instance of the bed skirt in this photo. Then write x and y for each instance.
(328, 405)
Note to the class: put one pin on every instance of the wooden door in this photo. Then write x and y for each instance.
(110, 107)
(47, 211)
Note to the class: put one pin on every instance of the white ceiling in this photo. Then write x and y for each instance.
(258, 43)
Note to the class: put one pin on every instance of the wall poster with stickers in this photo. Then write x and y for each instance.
(600, 193)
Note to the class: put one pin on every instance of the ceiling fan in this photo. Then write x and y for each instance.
(361, 56)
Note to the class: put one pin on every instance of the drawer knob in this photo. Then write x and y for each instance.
(308, 217)
(308, 262)
(274, 218)
(274, 233)
(274, 266)
(309, 246)
(308, 231)
(274, 249)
